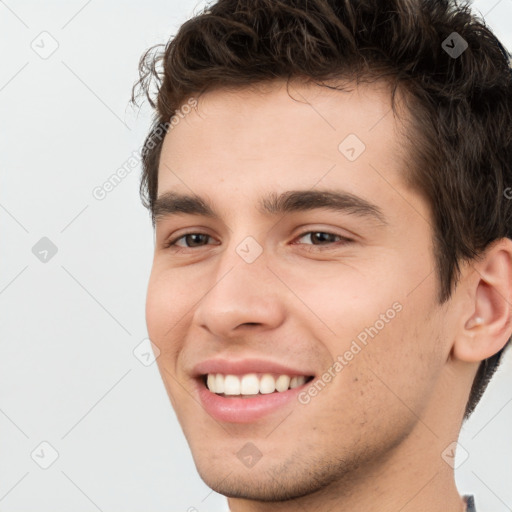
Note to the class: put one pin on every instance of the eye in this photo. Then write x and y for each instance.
(325, 238)
(189, 238)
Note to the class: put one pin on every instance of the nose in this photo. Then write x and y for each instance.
(242, 296)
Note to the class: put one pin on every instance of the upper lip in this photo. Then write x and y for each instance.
(245, 366)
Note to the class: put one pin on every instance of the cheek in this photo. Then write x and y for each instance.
(163, 309)
(404, 360)
(167, 303)
(353, 308)
(155, 308)
(391, 337)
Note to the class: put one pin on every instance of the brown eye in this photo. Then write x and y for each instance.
(324, 238)
(194, 238)
(191, 240)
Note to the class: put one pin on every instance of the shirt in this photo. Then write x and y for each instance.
(470, 502)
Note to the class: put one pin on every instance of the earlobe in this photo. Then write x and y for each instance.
(488, 327)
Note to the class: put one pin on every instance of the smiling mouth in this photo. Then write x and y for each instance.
(252, 384)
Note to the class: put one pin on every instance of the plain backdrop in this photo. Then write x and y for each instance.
(85, 423)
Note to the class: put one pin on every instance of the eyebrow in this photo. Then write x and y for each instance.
(172, 203)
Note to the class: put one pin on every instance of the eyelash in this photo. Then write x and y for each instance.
(171, 244)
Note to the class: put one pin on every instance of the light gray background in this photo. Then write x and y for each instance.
(70, 325)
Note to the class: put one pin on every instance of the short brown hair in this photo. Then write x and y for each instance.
(461, 105)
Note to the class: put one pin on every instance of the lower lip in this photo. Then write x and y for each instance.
(245, 410)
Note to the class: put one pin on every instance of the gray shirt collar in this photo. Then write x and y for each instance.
(470, 502)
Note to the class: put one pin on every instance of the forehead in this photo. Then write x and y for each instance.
(253, 140)
(275, 117)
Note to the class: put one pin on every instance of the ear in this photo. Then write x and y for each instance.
(486, 326)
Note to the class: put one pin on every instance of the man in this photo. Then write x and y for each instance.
(329, 182)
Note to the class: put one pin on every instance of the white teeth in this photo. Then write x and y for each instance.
(297, 381)
(210, 381)
(283, 383)
(251, 384)
(219, 383)
(231, 385)
(267, 384)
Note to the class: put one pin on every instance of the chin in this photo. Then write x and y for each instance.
(268, 481)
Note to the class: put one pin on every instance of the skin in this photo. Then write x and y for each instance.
(373, 437)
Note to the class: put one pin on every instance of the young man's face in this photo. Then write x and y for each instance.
(256, 292)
